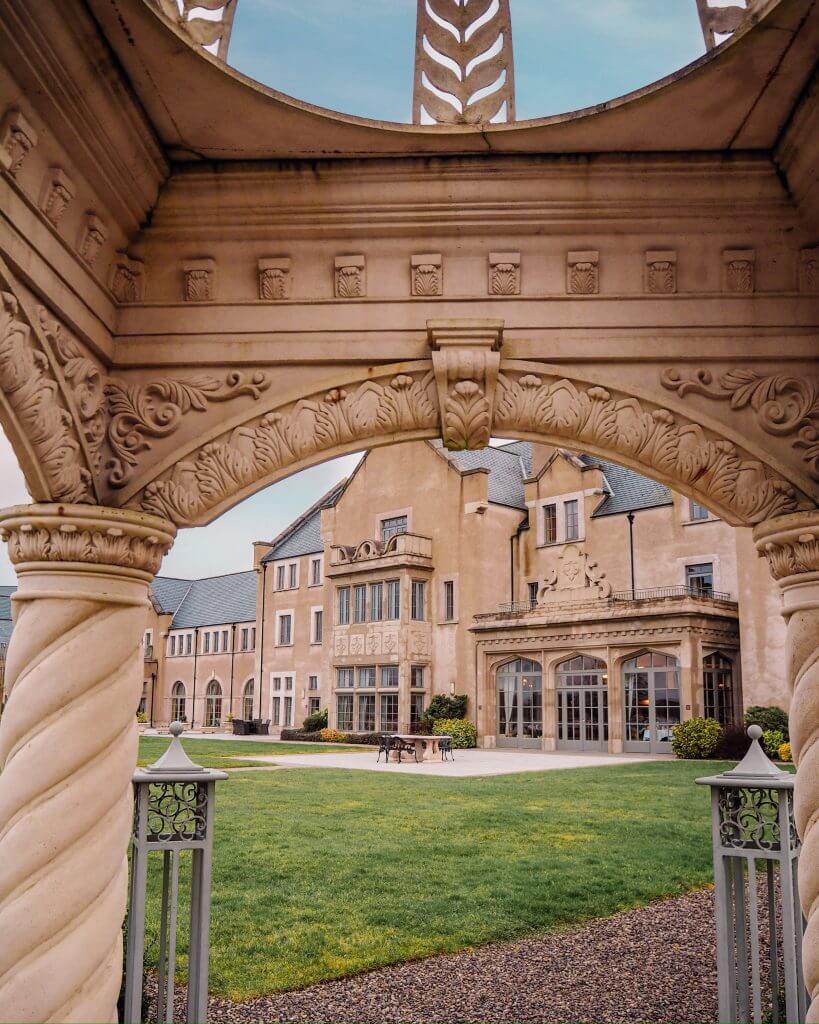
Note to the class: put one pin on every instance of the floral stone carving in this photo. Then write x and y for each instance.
(274, 278)
(92, 239)
(17, 139)
(784, 406)
(576, 578)
(127, 278)
(199, 280)
(427, 274)
(809, 271)
(739, 270)
(351, 277)
(224, 467)
(582, 273)
(661, 272)
(58, 191)
(466, 359)
(648, 436)
(504, 273)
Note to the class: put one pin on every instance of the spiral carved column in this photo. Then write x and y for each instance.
(68, 745)
(791, 544)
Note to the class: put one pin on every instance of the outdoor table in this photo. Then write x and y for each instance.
(428, 748)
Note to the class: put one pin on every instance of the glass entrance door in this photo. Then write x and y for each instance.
(651, 702)
(519, 704)
(582, 704)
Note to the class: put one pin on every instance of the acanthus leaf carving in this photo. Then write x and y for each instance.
(17, 139)
(427, 275)
(221, 468)
(648, 436)
(504, 273)
(139, 412)
(785, 406)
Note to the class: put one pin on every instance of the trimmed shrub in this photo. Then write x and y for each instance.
(696, 738)
(315, 722)
(785, 753)
(463, 733)
(443, 707)
(333, 736)
(772, 740)
(301, 735)
(733, 744)
(769, 719)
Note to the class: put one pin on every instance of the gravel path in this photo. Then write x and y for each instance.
(654, 964)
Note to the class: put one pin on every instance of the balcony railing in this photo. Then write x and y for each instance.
(401, 545)
(660, 593)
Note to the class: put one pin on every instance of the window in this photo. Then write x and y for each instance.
(213, 705)
(389, 712)
(376, 602)
(360, 603)
(449, 600)
(572, 522)
(417, 677)
(533, 589)
(313, 705)
(188, 644)
(393, 599)
(312, 682)
(718, 688)
(366, 712)
(143, 700)
(285, 629)
(389, 676)
(225, 645)
(318, 626)
(550, 524)
(277, 682)
(700, 578)
(178, 703)
(416, 710)
(247, 701)
(696, 512)
(253, 638)
(277, 711)
(288, 682)
(392, 527)
(315, 572)
(216, 642)
(206, 643)
(173, 646)
(343, 606)
(280, 571)
(344, 678)
(288, 710)
(245, 636)
(292, 580)
(418, 595)
(366, 677)
(344, 712)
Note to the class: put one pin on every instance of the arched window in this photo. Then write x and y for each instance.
(582, 704)
(651, 701)
(178, 702)
(213, 705)
(582, 671)
(718, 687)
(247, 701)
(519, 703)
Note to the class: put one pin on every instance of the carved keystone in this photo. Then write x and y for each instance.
(466, 359)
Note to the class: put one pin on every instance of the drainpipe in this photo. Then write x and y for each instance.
(153, 686)
(195, 659)
(232, 656)
(630, 518)
(261, 639)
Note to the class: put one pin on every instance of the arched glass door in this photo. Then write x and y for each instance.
(519, 704)
(651, 703)
(213, 705)
(178, 696)
(582, 697)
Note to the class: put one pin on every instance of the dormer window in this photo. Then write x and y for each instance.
(572, 520)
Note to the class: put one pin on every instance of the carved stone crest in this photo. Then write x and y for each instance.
(427, 274)
(582, 272)
(351, 277)
(466, 359)
(274, 278)
(17, 139)
(661, 272)
(739, 270)
(504, 273)
(575, 578)
(58, 191)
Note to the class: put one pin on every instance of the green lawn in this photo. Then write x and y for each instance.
(321, 873)
(224, 753)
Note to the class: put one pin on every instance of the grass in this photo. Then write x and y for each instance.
(231, 753)
(320, 873)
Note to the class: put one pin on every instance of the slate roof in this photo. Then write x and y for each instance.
(508, 467)
(5, 613)
(303, 536)
(217, 601)
(629, 491)
(5, 631)
(169, 593)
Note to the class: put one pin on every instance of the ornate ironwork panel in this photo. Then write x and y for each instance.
(749, 819)
(177, 812)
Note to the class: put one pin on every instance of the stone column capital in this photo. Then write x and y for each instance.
(791, 545)
(85, 538)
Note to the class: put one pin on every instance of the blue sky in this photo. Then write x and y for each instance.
(356, 56)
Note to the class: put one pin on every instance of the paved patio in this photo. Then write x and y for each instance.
(467, 763)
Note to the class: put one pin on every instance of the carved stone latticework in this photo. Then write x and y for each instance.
(92, 239)
(784, 406)
(350, 277)
(127, 278)
(213, 33)
(649, 438)
(739, 270)
(809, 271)
(583, 273)
(427, 275)
(466, 359)
(504, 273)
(73, 681)
(275, 278)
(58, 191)
(661, 272)
(17, 139)
(464, 63)
(199, 277)
(400, 404)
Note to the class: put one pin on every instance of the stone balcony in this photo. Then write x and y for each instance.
(404, 550)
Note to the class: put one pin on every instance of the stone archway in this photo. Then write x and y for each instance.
(161, 359)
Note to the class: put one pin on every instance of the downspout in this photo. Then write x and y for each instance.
(630, 518)
(261, 639)
(195, 659)
(153, 687)
(232, 656)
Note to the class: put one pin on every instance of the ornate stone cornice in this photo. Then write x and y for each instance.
(791, 545)
(72, 536)
(466, 360)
